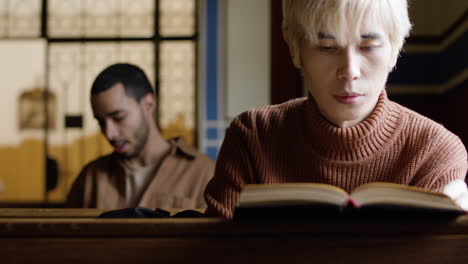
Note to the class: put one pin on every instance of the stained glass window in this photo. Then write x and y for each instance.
(74, 66)
(20, 18)
(82, 38)
(177, 17)
(101, 18)
(177, 86)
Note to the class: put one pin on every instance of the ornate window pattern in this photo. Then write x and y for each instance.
(20, 18)
(102, 18)
(177, 88)
(74, 66)
(177, 18)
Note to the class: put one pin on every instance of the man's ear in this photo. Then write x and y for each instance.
(293, 49)
(393, 60)
(287, 38)
(148, 101)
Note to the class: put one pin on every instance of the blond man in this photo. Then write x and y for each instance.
(346, 132)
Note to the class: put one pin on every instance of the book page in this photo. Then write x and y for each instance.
(401, 195)
(292, 193)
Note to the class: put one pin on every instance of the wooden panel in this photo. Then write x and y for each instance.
(61, 212)
(212, 240)
(249, 249)
(49, 213)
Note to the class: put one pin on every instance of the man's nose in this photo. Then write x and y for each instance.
(110, 130)
(350, 68)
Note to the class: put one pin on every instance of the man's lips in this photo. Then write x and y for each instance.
(348, 98)
(119, 146)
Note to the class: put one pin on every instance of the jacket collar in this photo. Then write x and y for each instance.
(181, 147)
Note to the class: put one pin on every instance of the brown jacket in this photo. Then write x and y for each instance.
(179, 181)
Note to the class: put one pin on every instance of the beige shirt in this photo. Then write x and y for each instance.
(178, 182)
(136, 181)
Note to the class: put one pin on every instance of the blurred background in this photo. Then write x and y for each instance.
(208, 59)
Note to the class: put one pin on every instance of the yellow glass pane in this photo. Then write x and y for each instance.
(177, 89)
(177, 17)
(22, 65)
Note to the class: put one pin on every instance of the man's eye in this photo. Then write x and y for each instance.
(101, 124)
(327, 48)
(369, 48)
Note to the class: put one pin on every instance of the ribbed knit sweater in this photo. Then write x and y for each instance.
(293, 142)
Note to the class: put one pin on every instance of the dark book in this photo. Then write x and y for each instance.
(287, 200)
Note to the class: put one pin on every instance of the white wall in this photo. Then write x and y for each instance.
(247, 60)
(22, 68)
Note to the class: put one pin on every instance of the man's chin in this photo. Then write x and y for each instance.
(126, 155)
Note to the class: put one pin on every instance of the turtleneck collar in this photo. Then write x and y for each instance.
(357, 142)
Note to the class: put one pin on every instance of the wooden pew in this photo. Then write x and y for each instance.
(212, 240)
(60, 213)
(49, 213)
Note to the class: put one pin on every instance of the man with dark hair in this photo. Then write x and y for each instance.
(144, 169)
(134, 80)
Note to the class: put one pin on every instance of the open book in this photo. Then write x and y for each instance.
(316, 199)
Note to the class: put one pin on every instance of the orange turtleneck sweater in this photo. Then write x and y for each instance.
(292, 142)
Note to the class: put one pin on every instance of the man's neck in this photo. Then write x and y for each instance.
(154, 151)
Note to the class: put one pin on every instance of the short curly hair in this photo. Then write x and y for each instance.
(132, 77)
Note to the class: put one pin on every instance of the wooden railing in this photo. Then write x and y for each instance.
(76, 236)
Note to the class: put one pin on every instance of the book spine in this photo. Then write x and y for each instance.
(351, 202)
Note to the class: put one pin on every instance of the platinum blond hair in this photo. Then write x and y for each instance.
(306, 18)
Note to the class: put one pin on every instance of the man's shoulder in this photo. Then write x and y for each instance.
(416, 120)
(282, 108)
(102, 162)
(272, 113)
(413, 116)
(104, 167)
(194, 166)
(189, 152)
(425, 129)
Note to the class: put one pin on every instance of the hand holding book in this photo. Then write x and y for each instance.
(458, 191)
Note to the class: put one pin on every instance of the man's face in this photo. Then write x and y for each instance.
(347, 81)
(122, 120)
